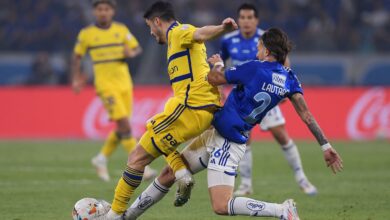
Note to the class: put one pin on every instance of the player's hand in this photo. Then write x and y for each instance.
(333, 160)
(131, 53)
(229, 24)
(214, 59)
(78, 84)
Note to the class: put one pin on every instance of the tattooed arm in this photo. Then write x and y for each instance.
(331, 157)
(303, 111)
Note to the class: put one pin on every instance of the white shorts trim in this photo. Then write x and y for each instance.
(273, 118)
(224, 155)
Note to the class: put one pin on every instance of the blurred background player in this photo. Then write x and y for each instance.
(108, 44)
(188, 113)
(241, 46)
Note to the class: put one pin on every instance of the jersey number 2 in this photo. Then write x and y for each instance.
(263, 97)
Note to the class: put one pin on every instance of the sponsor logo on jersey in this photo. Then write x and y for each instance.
(279, 79)
(255, 205)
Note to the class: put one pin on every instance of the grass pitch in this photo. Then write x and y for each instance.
(42, 180)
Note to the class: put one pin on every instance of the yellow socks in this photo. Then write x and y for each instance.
(175, 161)
(129, 181)
(110, 144)
(129, 143)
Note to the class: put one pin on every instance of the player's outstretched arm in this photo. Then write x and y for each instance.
(213, 31)
(216, 76)
(332, 158)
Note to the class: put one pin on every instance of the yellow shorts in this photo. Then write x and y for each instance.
(176, 125)
(118, 103)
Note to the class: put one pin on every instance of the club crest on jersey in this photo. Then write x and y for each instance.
(278, 79)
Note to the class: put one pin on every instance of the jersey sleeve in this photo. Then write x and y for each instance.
(185, 35)
(81, 44)
(241, 74)
(295, 85)
(224, 50)
(130, 41)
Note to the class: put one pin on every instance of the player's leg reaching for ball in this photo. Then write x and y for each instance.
(196, 157)
(164, 133)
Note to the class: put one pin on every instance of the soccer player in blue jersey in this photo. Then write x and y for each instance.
(241, 46)
(260, 86)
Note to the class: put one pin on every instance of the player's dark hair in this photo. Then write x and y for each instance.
(277, 42)
(247, 6)
(109, 2)
(162, 10)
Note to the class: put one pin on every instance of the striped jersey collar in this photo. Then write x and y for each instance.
(174, 24)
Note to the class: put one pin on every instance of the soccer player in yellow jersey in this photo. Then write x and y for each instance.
(188, 113)
(108, 44)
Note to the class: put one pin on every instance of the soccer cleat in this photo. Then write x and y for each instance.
(307, 187)
(184, 188)
(289, 210)
(101, 168)
(149, 173)
(243, 190)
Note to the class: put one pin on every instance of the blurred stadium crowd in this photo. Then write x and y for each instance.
(42, 33)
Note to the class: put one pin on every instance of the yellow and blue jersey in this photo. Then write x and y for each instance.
(106, 48)
(261, 85)
(188, 68)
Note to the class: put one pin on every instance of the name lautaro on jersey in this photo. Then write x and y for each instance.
(278, 85)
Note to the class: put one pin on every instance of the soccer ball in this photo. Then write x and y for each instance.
(90, 209)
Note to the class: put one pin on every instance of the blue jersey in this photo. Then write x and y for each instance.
(238, 48)
(261, 85)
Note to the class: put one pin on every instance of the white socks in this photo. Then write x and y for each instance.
(154, 193)
(245, 167)
(251, 207)
(291, 154)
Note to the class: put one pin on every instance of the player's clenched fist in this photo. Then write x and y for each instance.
(229, 24)
(214, 59)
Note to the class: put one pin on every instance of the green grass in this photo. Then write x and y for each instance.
(43, 179)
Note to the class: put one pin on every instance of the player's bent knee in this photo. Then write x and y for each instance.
(139, 158)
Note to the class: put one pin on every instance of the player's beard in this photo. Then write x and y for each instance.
(104, 23)
(159, 37)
